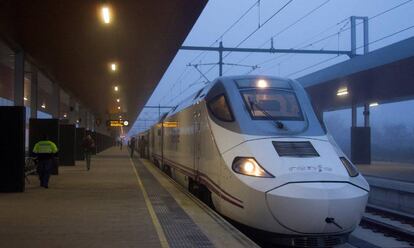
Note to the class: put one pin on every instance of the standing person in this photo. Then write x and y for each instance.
(88, 145)
(121, 142)
(132, 146)
(45, 151)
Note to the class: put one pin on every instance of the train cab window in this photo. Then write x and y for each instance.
(271, 103)
(220, 109)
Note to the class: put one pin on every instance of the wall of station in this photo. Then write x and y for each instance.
(44, 110)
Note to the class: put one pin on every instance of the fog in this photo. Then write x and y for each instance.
(392, 130)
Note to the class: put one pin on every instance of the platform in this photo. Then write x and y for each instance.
(389, 170)
(392, 185)
(118, 203)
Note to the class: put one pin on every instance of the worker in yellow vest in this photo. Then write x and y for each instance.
(45, 151)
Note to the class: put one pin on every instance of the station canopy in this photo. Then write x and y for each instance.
(67, 41)
(381, 76)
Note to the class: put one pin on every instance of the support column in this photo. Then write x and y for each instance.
(354, 115)
(366, 115)
(92, 118)
(56, 101)
(33, 93)
(366, 36)
(87, 120)
(221, 59)
(72, 111)
(19, 79)
(353, 36)
(360, 138)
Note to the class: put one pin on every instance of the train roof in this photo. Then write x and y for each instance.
(200, 94)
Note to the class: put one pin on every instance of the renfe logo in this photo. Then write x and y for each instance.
(310, 168)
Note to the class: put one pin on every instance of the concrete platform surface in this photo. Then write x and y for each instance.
(118, 203)
(389, 170)
(102, 207)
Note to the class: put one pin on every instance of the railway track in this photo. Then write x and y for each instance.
(390, 223)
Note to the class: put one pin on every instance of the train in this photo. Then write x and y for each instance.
(254, 149)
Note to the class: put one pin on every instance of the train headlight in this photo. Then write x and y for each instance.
(249, 167)
(352, 170)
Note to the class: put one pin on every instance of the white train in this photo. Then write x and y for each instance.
(253, 148)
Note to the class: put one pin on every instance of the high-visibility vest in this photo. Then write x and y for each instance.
(45, 147)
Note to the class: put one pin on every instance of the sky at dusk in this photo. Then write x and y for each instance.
(305, 24)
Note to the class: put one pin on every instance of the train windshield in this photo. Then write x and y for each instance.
(273, 104)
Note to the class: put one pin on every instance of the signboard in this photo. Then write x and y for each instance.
(117, 123)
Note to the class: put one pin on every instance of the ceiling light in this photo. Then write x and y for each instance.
(43, 106)
(113, 67)
(118, 100)
(373, 104)
(25, 98)
(119, 107)
(65, 115)
(106, 14)
(116, 88)
(342, 92)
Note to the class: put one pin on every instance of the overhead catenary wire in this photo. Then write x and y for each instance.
(311, 66)
(261, 25)
(293, 55)
(256, 3)
(336, 33)
(343, 29)
(228, 29)
(255, 30)
(369, 19)
(286, 28)
(388, 36)
(372, 42)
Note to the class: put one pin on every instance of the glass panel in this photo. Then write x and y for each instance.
(277, 104)
(6, 75)
(220, 109)
(262, 83)
(45, 97)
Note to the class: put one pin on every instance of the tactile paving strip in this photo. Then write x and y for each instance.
(179, 228)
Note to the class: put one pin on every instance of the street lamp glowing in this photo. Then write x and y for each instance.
(113, 67)
(373, 104)
(116, 88)
(342, 92)
(106, 14)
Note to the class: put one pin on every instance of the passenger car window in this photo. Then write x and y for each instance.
(220, 109)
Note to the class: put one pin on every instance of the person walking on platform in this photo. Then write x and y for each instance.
(132, 142)
(45, 151)
(88, 145)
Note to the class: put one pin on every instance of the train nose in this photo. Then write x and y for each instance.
(312, 208)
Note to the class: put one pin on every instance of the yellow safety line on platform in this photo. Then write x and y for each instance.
(155, 221)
